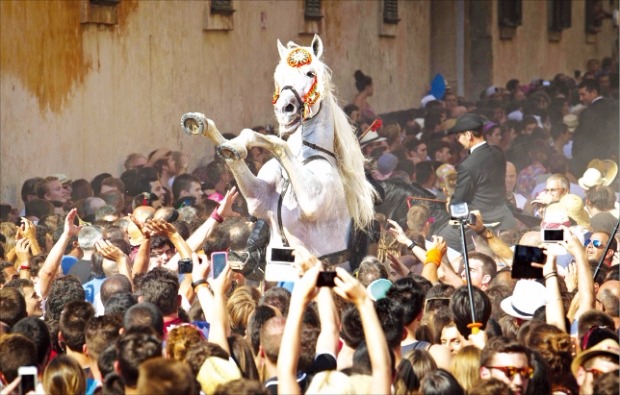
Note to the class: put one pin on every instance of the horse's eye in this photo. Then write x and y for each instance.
(311, 74)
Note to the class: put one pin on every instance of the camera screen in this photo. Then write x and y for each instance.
(282, 255)
(553, 235)
(27, 383)
(459, 210)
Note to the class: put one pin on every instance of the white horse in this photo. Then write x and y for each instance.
(314, 189)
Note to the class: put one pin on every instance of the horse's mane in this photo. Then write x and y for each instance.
(359, 193)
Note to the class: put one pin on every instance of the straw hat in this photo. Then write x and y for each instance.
(607, 167)
(575, 209)
(591, 178)
(607, 347)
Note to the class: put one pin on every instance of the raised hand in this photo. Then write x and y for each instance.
(305, 289)
(159, 226)
(201, 267)
(439, 244)
(349, 288)
(221, 284)
(28, 230)
(225, 208)
(71, 229)
(397, 232)
(109, 250)
(141, 227)
(22, 250)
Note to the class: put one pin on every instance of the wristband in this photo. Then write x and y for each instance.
(550, 275)
(482, 231)
(218, 218)
(199, 282)
(24, 268)
(413, 244)
(434, 256)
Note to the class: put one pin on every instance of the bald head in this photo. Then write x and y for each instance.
(531, 239)
(608, 297)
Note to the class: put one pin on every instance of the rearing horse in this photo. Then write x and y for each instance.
(314, 188)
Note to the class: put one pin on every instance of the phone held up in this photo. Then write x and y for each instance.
(522, 261)
(326, 279)
(218, 262)
(28, 376)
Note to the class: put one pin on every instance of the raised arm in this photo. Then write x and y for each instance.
(52, 262)
(353, 291)
(433, 259)
(304, 291)
(585, 282)
(555, 307)
(142, 258)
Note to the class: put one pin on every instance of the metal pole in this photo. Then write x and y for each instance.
(467, 275)
(611, 237)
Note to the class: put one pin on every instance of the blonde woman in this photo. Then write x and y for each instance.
(465, 367)
(64, 375)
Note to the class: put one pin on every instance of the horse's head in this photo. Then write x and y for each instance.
(300, 84)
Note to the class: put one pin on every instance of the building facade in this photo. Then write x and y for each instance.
(84, 83)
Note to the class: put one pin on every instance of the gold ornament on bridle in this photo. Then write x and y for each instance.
(299, 57)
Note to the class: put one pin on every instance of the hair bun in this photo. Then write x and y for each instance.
(359, 76)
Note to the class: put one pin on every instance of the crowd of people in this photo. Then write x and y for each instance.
(108, 286)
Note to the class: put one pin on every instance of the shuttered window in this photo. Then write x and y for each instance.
(312, 9)
(390, 11)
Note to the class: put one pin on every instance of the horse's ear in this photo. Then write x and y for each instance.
(317, 46)
(281, 50)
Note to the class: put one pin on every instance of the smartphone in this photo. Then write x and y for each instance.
(552, 235)
(522, 261)
(218, 261)
(28, 375)
(185, 266)
(326, 279)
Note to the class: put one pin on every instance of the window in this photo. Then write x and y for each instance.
(390, 11)
(312, 9)
(218, 15)
(595, 15)
(223, 7)
(559, 12)
(103, 12)
(510, 13)
(105, 2)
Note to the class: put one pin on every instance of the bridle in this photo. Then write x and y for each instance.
(297, 58)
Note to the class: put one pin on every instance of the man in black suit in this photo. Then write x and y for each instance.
(597, 135)
(480, 178)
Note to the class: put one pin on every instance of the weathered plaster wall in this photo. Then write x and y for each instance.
(76, 99)
(536, 56)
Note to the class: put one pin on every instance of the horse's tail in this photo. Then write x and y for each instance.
(359, 193)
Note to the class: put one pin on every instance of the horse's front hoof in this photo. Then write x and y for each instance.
(229, 152)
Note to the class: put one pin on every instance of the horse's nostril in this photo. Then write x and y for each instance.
(289, 108)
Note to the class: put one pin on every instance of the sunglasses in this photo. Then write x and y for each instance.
(595, 243)
(511, 371)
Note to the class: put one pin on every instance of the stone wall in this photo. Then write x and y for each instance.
(77, 98)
